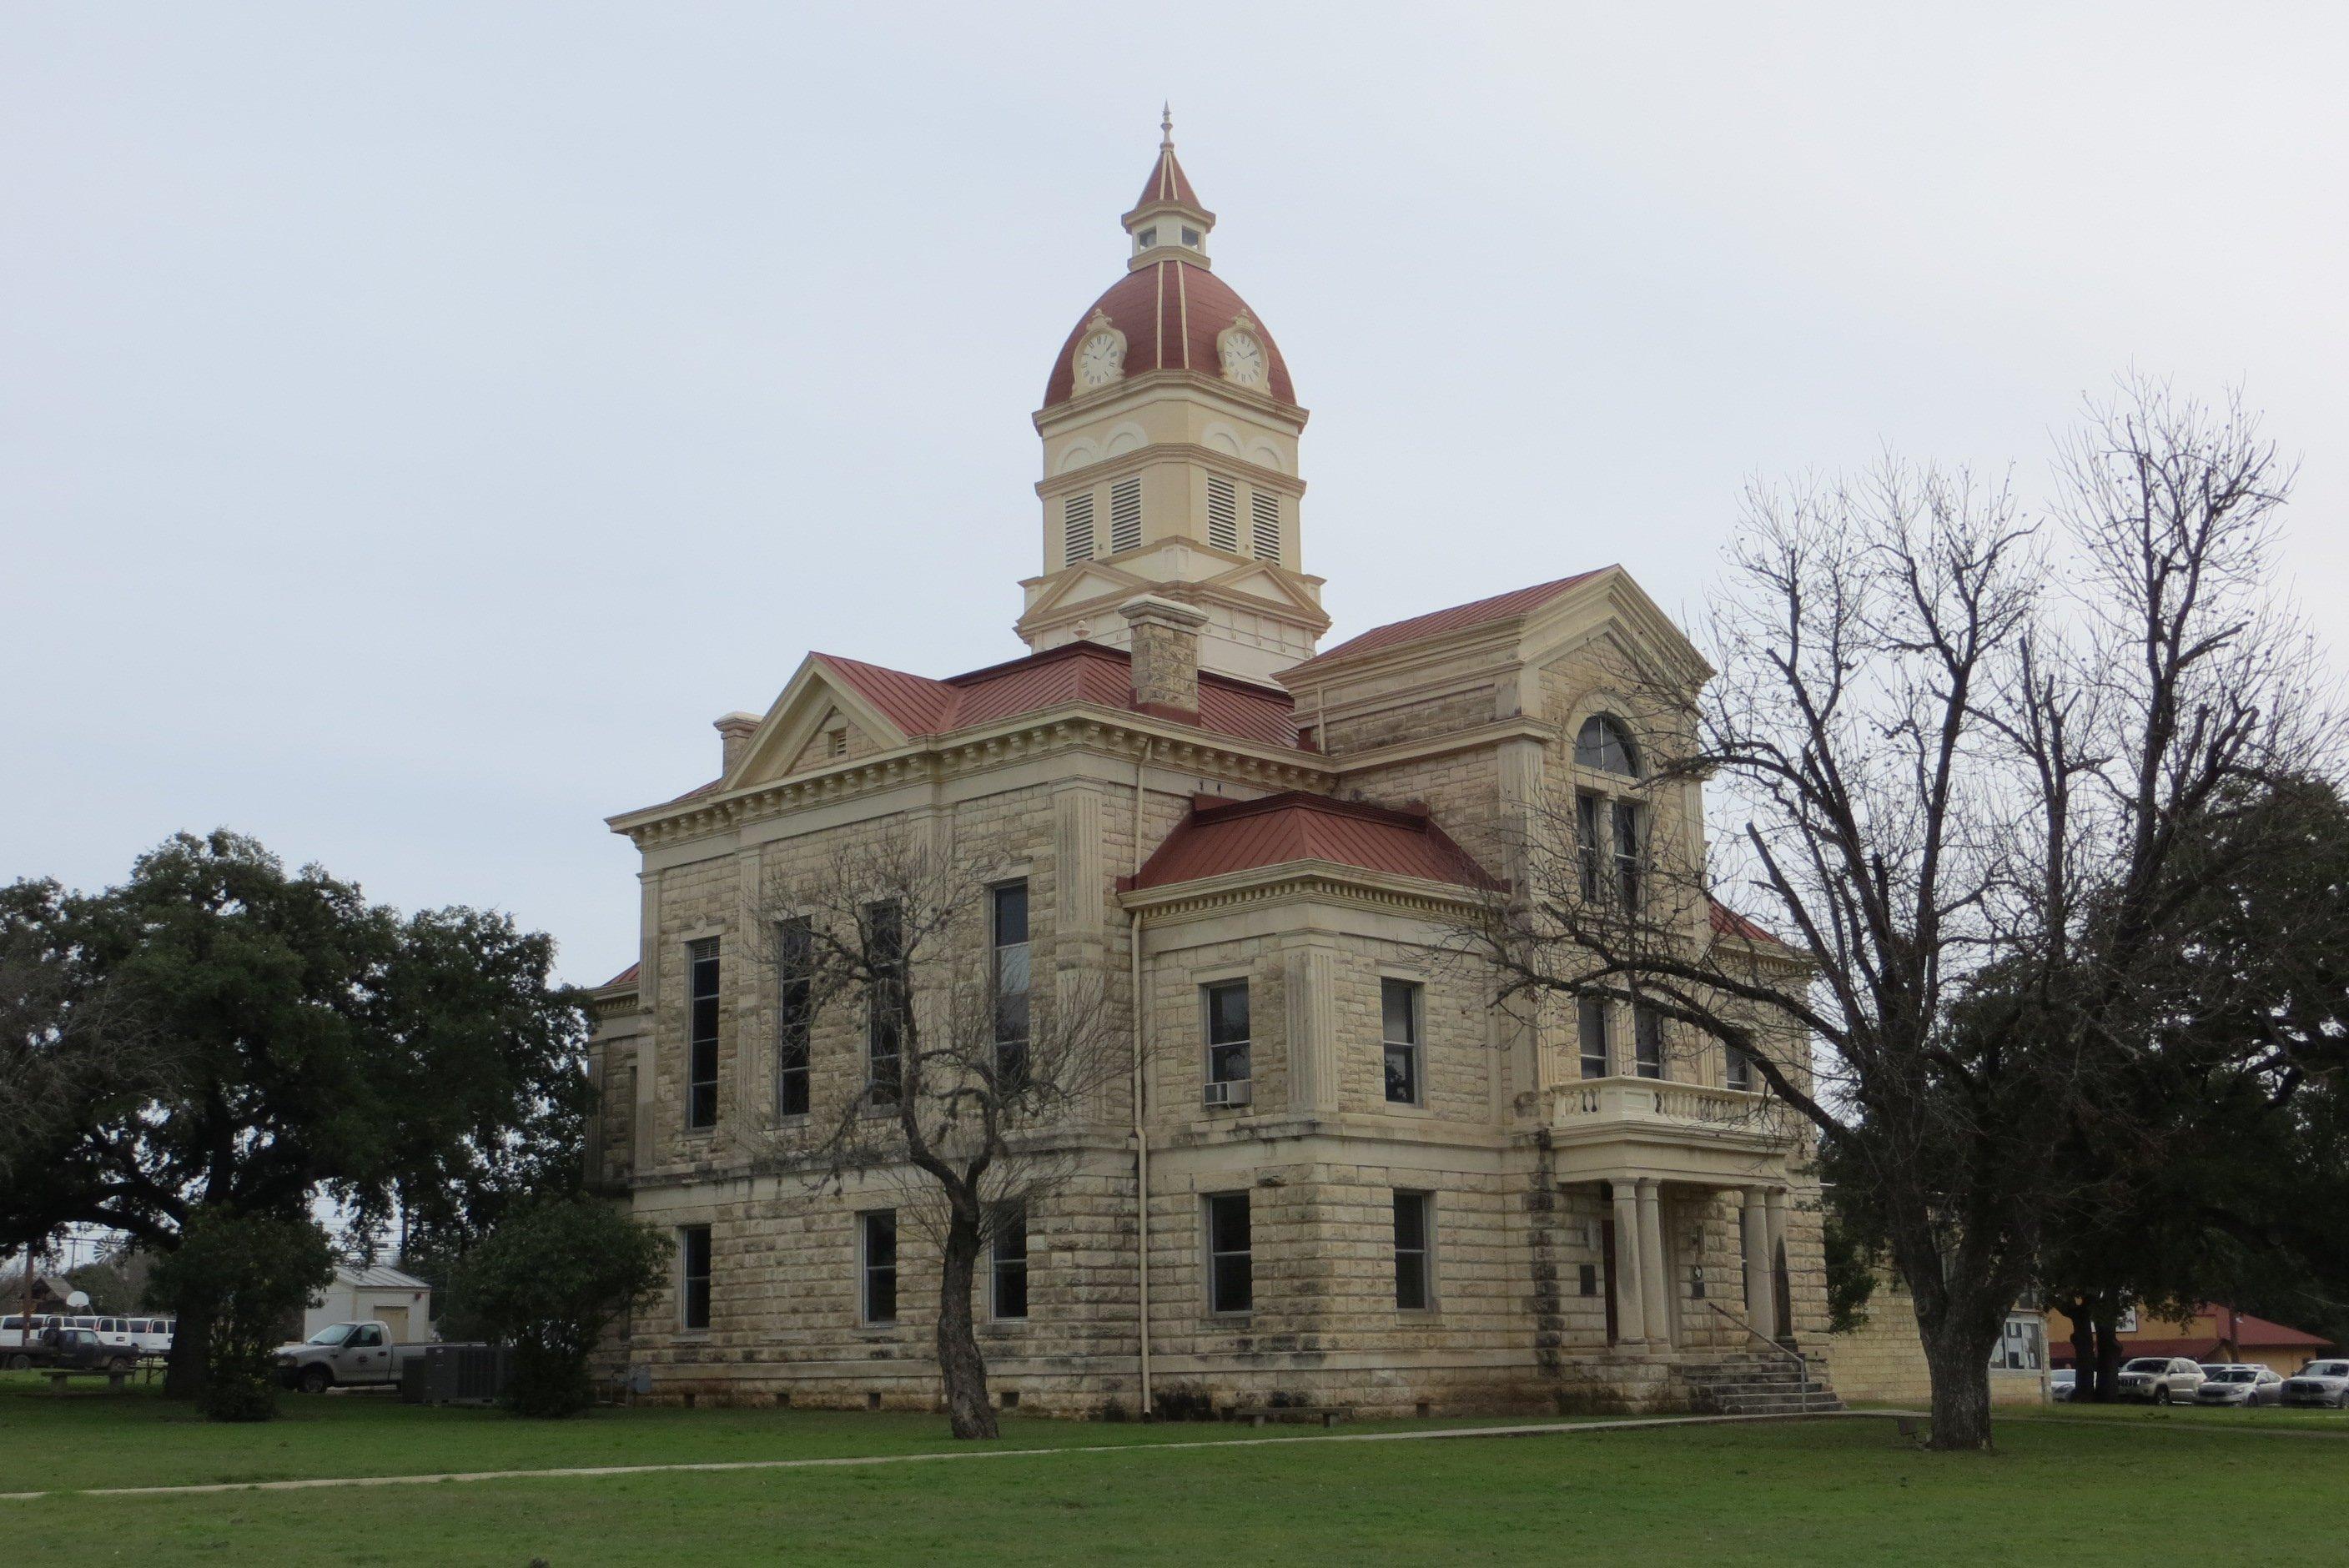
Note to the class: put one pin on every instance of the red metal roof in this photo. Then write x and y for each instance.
(1073, 673)
(1167, 183)
(625, 977)
(1171, 312)
(1499, 607)
(1220, 836)
(1727, 922)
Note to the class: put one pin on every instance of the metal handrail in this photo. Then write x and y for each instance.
(1802, 1363)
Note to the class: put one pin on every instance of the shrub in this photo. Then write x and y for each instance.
(248, 1274)
(547, 1282)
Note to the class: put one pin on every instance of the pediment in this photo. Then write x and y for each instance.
(1256, 580)
(1614, 610)
(795, 736)
(1095, 582)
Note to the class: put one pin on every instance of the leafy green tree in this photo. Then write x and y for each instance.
(311, 1044)
(248, 1274)
(548, 1281)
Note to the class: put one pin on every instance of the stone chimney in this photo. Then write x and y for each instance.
(734, 731)
(1165, 652)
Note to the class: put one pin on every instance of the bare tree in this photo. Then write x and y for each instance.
(1966, 749)
(976, 1078)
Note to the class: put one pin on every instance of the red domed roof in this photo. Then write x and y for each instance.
(1171, 312)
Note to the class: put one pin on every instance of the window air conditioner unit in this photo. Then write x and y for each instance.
(1227, 1093)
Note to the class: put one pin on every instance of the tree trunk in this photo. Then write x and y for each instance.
(959, 1365)
(2086, 1386)
(1957, 1358)
(2108, 1349)
(187, 1369)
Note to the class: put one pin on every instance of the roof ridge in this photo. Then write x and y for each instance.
(1473, 612)
(1221, 807)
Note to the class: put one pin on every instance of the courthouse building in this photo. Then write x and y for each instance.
(1363, 1186)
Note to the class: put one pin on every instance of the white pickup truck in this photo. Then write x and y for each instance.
(345, 1355)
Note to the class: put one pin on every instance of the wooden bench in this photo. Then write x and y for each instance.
(1322, 1414)
(115, 1378)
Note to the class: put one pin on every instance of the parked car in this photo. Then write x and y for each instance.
(68, 1349)
(345, 1355)
(150, 1335)
(2163, 1379)
(113, 1332)
(2239, 1385)
(2062, 1383)
(2319, 1383)
(15, 1353)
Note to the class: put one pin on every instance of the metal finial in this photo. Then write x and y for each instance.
(1166, 125)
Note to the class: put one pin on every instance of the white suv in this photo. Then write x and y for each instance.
(2163, 1379)
(2319, 1383)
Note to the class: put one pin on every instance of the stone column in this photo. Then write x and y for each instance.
(1777, 1200)
(1630, 1316)
(1761, 1301)
(1311, 1014)
(1652, 1281)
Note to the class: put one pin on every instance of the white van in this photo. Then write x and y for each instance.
(114, 1333)
(13, 1353)
(150, 1336)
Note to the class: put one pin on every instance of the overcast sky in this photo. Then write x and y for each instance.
(417, 422)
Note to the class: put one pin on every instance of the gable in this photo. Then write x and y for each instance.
(793, 737)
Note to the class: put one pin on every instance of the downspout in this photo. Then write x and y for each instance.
(1141, 1128)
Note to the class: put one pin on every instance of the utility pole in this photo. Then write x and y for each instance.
(32, 1249)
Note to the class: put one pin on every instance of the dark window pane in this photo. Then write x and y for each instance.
(1411, 1220)
(1227, 1012)
(1227, 1032)
(694, 1261)
(1399, 1009)
(1592, 1012)
(703, 992)
(880, 1267)
(794, 955)
(1741, 1069)
(886, 1007)
(1410, 1282)
(1230, 1267)
(1403, 1075)
(1602, 744)
(1648, 1042)
(1586, 838)
(1010, 913)
(1413, 1292)
(1010, 1260)
(1627, 852)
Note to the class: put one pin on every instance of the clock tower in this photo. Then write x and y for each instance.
(1170, 431)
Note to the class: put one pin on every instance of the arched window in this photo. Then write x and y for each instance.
(1602, 744)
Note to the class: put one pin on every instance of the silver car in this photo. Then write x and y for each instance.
(2163, 1379)
(2319, 1383)
(2239, 1385)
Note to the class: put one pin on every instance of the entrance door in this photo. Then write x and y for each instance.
(1607, 1274)
(395, 1318)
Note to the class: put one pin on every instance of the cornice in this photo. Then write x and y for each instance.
(941, 759)
(1314, 881)
(1144, 457)
(1105, 400)
(1479, 739)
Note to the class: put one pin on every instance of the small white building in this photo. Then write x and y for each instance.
(402, 1301)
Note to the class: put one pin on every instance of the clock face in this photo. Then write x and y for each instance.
(1100, 359)
(1243, 359)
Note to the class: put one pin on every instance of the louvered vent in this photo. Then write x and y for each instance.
(1126, 515)
(1077, 526)
(1267, 525)
(1223, 513)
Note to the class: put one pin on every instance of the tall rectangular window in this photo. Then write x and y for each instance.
(877, 1247)
(1231, 1272)
(1007, 919)
(885, 1018)
(1399, 1009)
(1591, 1017)
(1414, 1281)
(1008, 1261)
(1588, 851)
(1264, 524)
(1223, 513)
(1077, 526)
(701, 991)
(1126, 515)
(1626, 853)
(693, 1276)
(795, 1015)
(1738, 1070)
(1647, 1041)
(1227, 1032)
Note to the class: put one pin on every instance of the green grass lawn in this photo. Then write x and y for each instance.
(2187, 1488)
